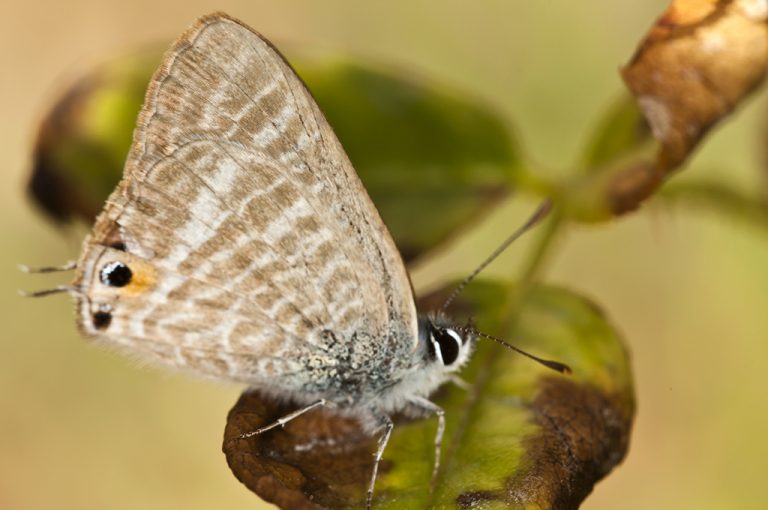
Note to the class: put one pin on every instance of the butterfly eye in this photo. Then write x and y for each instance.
(116, 274)
(449, 343)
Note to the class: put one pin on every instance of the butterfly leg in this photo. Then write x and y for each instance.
(438, 411)
(383, 440)
(283, 420)
(460, 383)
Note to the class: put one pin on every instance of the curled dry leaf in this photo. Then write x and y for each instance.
(521, 436)
(697, 63)
(316, 461)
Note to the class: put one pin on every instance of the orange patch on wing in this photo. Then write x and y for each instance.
(143, 279)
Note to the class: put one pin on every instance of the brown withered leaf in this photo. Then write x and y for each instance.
(698, 62)
(317, 461)
(522, 436)
(584, 434)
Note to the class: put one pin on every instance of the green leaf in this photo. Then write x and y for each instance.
(522, 435)
(616, 171)
(83, 140)
(621, 131)
(432, 160)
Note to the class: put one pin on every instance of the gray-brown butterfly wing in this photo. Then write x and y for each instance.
(252, 245)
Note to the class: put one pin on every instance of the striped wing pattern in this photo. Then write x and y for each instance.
(249, 234)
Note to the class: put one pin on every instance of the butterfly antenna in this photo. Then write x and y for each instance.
(68, 266)
(554, 365)
(47, 292)
(534, 220)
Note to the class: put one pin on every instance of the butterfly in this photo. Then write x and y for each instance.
(241, 245)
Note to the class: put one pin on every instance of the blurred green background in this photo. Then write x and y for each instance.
(82, 428)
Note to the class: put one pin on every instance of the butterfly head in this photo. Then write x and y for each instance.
(447, 345)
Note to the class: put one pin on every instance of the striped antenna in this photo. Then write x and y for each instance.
(535, 219)
(47, 292)
(554, 365)
(68, 266)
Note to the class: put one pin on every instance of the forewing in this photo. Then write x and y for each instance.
(247, 230)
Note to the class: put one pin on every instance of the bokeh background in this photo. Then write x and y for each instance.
(83, 429)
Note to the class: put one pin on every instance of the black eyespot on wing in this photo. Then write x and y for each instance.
(101, 320)
(116, 274)
(449, 346)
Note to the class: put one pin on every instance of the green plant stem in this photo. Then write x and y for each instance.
(518, 292)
